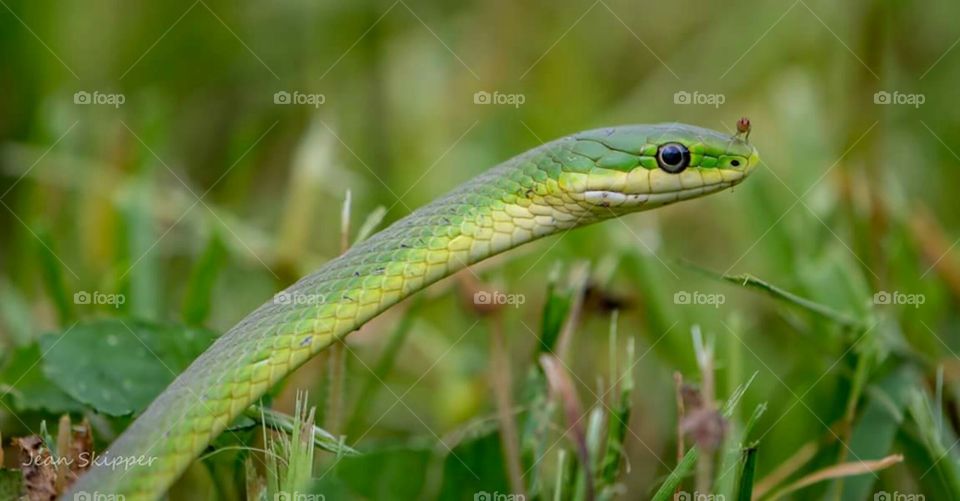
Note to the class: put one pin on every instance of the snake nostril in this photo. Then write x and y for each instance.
(735, 163)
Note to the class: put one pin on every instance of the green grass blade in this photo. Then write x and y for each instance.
(370, 224)
(15, 315)
(939, 443)
(683, 469)
(53, 277)
(143, 275)
(745, 484)
(751, 282)
(197, 300)
(617, 426)
(875, 431)
(288, 424)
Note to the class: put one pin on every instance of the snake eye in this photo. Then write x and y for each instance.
(673, 157)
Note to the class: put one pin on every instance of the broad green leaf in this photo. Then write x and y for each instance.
(22, 378)
(118, 366)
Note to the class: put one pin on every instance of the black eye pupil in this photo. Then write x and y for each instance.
(673, 157)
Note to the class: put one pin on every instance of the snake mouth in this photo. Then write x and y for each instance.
(642, 189)
(616, 199)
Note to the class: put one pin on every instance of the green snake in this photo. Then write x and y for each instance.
(570, 182)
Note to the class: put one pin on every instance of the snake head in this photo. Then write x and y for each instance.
(639, 167)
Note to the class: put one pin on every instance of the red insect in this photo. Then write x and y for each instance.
(743, 127)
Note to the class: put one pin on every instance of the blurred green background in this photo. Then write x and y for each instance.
(200, 195)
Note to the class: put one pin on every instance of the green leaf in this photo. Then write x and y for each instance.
(24, 381)
(118, 366)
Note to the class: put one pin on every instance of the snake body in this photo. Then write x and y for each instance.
(573, 181)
